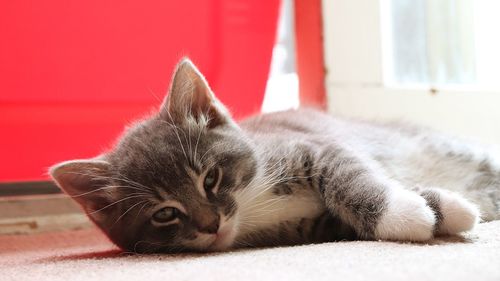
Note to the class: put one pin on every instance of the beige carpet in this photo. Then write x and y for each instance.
(87, 255)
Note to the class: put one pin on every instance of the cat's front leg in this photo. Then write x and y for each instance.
(375, 206)
(454, 214)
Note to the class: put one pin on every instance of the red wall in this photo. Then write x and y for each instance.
(309, 53)
(72, 73)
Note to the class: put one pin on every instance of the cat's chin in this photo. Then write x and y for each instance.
(224, 239)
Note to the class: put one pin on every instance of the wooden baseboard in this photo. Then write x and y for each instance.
(28, 188)
(40, 213)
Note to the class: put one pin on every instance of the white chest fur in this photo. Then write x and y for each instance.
(259, 208)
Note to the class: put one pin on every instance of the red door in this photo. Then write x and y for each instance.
(73, 73)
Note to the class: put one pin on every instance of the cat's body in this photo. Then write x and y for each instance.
(191, 178)
(295, 141)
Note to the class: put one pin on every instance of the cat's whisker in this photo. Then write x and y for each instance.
(130, 187)
(246, 223)
(189, 144)
(269, 202)
(244, 244)
(116, 202)
(227, 150)
(123, 178)
(133, 185)
(262, 212)
(250, 190)
(154, 95)
(139, 193)
(111, 187)
(128, 210)
(208, 150)
(128, 180)
(262, 208)
(99, 177)
(197, 142)
(92, 191)
(140, 210)
(137, 244)
(154, 247)
(176, 133)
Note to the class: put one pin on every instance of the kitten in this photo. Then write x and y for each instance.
(190, 178)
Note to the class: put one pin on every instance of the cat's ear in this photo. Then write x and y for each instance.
(191, 97)
(85, 181)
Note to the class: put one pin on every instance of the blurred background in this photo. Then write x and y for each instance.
(74, 73)
(428, 62)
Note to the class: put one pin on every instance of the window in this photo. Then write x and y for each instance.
(282, 90)
(448, 42)
(429, 62)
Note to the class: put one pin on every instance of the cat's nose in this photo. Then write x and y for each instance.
(211, 228)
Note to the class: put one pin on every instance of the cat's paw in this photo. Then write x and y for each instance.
(406, 218)
(456, 213)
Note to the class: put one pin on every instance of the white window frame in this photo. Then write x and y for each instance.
(354, 61)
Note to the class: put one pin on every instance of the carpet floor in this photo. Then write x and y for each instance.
(87, 255)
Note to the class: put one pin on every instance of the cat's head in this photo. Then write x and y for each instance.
(168, 184)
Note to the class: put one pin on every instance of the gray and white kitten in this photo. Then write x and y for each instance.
(190, 178)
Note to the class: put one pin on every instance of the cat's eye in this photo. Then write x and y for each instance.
(211, 179)
(165, 215)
